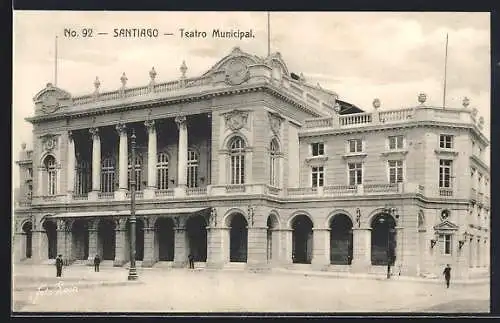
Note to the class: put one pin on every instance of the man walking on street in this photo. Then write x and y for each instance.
(97, 262)
(59, 265)
(447, 275)
(191, 261)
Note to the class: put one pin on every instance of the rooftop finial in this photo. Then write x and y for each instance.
(422, 97)
(376, 103)
(23, 146)
(124, 79)
(465, 102)
(183, 69)
(152, 74)
(97, 84)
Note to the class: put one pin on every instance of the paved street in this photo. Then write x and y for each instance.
(181, 290)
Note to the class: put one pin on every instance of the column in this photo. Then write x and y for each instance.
(399, 263)
(96, 163)
(361, 261)
(180, 252)
(321, 248)
(93, 241)
(217, 245)
(121, 243)
(121, 128)
(61, 238)
(152, 159)
(71, 165)
(38, 248)
(257, 247)
(149, 243)
(462, 259)
(182, 155)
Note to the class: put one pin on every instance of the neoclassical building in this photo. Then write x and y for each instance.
(249, 165)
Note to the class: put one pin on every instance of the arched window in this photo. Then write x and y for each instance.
(137, 171)
(192, 168)
(82, 185)
(51, 170)
(108, 175)
(162, 171)
(274, 163)
(237, 156)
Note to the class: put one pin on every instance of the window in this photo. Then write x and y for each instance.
(318, 149)
(51, 170)
(355, 145)
(137, 172)
(355, 173)
(318, 176)
(82, 178)
(446, 141)
(274, 163)
(162, 171)
(30, 173)
(108, 175)
(396, 142)
(445, 242)
(237, 160)
(445, 173)
(192, 169)
(395, 171)
(479, 180)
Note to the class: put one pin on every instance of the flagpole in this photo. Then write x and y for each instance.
(268, 33)
(445, 66)
(55, 65)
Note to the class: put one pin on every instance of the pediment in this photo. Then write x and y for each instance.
(50, 99)
(236, 54)
(446, 226)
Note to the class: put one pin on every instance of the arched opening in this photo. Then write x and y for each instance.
(302, 239)
(139, 238)
(237, 160)
(50, 168)
(272, 238)
(107, 239)
(80, 237)
(28, 233)
(340, 240)
(196, 228)
(165, 236)
(238, 238)
(51, 230)
(383, 244)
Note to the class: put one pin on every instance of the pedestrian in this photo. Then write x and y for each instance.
(59, 265)
(97, 262)
(447, 275)
(191, 261)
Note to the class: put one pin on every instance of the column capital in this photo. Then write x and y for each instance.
(362, 229)
(320, 229)
(70, 135)
(181, 122)
(150, 125)
(94, 132)
(121, 128)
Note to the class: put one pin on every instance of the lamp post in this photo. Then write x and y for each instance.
(385, 218)
(132, 274)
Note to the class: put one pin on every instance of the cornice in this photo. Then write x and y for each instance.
(478, 162)
(184, 98)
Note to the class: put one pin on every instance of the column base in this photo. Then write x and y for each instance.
(148, 263)
(179, 264)
(320, 266)
(258, 267)
(215, 265)
(360, 267)
(119, 262)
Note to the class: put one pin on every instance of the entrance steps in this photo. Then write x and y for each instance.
(301, 267)
(164, 264)
(238, 266)
(200, 265)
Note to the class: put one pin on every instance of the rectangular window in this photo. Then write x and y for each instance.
(355, 145)
(445, 173)
(355, 173)
(318, 176)
(445, 243)
(396, 142)
(446, 141)
(318, 149)
(395, 171)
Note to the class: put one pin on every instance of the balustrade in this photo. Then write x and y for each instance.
(192, 191)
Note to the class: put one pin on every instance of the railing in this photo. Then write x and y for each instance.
(340, 190)
(473, 194)
(480, 197)
(355, 119)
(80, 197)
(49, 198)
(318, 123)
(380, 188)
(235, 188)
(273, 190)
(106, 195)
(395, 115)
(302, 191)
(421, 189)
(192, 191)
(138, 195)
(164, 193)
(25, 203)
(445, 191)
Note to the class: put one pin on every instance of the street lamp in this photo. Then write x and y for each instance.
(387, 212)
(132, 274)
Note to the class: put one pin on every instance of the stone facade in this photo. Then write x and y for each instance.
(222, 193)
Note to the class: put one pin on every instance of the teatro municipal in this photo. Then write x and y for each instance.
(250, 166)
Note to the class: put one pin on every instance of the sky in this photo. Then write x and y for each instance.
(392, 56)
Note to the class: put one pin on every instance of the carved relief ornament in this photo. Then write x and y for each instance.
(49, 142)
(236, 119)
(275, 122)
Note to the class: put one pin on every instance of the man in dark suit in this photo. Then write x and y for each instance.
(191, 261)
(97, 262)
(447, 275)
(59, 265)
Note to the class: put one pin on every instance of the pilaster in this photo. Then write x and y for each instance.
(122, 158)
(71, 165)
(218, 247)
(121, 244)
(149, 244)
(152, 153)
(257, 247)
(96, 161)
(93, 241)
(180, 255)
(182, 153)
(361, 261)
(321, 248)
